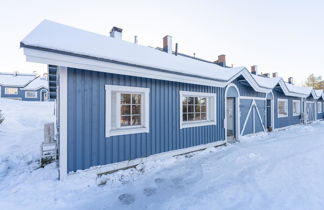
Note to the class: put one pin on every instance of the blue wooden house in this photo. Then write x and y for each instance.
(25, 87)
(119, 102)
(36, 90)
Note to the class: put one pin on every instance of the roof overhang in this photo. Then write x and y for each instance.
(37, 88)
(288, 92)
(53, 57)
(249, 78)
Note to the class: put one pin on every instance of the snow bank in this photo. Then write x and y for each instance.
(280, 170)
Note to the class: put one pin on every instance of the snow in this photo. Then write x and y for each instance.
(280, 170)
(61, 37)
(36, 84)
(266, 81)
(319, 93)
(298, 89)
(17, 80)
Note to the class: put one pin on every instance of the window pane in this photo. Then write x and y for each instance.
(136, 120)
(136, 99)
(203, 108)
(125, 98)
(184, 109)
(203, 101)
(185, 117)
(190, 100)
(125, 121)
(136, 109)
(196, 100)
(203, 116)
(197, 108)
(197, 116)
(190, 108)
(125, 110)
(185, 100)
(191, 116)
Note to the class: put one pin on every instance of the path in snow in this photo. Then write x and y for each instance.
(280, 170)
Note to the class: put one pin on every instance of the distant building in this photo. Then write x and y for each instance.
(25, 87)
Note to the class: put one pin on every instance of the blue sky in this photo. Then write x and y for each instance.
(279, 36)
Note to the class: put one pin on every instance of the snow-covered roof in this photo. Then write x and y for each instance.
(266, 81)
(38, 83)
(299, 89)
(16, 79)
(55, 36)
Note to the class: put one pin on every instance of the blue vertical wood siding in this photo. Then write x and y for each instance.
(87, 144)
(285, 121)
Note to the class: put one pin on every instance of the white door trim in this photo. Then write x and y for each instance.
(237, 112)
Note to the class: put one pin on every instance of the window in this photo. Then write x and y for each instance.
(282, 108)
(127, 110)
(296, 107)
(197, 109)
(319, 107)
(11, 91)
(30, 94)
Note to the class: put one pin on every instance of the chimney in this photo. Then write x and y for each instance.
(266, 75)
(275, 74)
(176, 49)
(135, 39)
(116, 32)
(291, 80)
(167, 44)
(221, 60)
(254, 69)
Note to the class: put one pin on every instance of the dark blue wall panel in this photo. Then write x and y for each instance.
(87, 144)
(284, 121)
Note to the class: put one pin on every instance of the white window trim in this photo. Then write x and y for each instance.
(299, 107)
(211, 109)
(281, 115)
(145, 128)
(7, 90)
(319, 111)
(31, 91)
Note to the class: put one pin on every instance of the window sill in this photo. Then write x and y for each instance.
(196, 124)
(282, 116)
(127, 131)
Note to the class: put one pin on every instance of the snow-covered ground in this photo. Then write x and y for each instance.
(281, 170)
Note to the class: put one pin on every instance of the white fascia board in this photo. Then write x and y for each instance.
(247, 76)
(44, 57)
(289, 93)
(315, 96)
(41, 87)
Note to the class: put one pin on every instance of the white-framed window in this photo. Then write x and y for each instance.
(319, 107)
(11, 91)
(282, 108)
(127, 110)
(296, 107)
(30, 94)
(197, 109)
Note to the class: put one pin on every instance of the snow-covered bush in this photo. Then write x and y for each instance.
(1, 117)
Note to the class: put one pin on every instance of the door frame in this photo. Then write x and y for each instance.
(41, 94)
(237, 112)
(272, 109)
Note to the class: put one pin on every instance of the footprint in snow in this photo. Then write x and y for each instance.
(126, 199)
(149, 191)
(159, 180)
